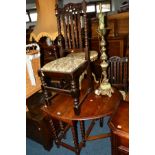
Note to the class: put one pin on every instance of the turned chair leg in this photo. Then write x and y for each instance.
(46, 94)
(75, 92)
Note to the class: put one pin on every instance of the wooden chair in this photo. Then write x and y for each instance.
(70, 68)
(118, 73)
(73, 33)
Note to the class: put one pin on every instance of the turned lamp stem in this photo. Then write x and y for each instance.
(104, 87)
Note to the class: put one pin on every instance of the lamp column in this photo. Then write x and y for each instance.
(104, 87)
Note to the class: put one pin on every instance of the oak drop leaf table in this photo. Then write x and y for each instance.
(93, 108)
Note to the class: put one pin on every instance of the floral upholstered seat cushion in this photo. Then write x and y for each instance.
(65, 65)
(81, 55)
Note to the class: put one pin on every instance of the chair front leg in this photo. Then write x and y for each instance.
(75, 92)
(45, 92)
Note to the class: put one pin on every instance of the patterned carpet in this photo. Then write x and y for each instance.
(96, 147)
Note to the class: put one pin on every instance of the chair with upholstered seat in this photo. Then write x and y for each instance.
(70, 68)
(72, 23)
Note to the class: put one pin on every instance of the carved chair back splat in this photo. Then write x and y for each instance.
(72, 21)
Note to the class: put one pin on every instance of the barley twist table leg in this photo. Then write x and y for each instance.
(75, 137)
(54, 132)
(82, 128)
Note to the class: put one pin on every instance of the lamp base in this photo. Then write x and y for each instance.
(104, 89)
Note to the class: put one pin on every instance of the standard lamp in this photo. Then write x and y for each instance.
(104, 87)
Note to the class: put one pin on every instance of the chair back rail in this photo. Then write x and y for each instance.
(118, 71)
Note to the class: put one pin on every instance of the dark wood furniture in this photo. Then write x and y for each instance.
(94, 108)
(119, 125)
(117, 46)
(37, 124)
(48, 52)
(118, 23)
(69, 68)
(118, 72)
(38, 127)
